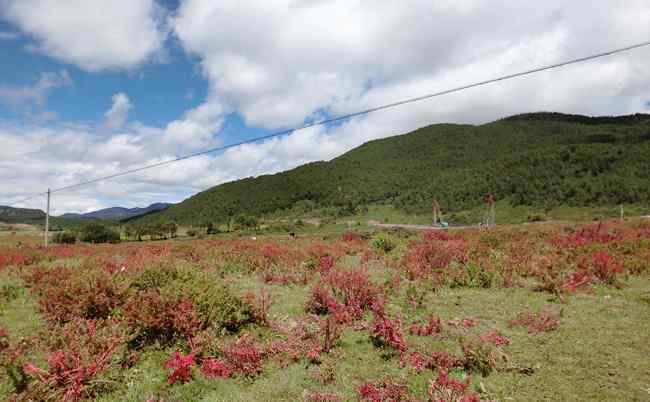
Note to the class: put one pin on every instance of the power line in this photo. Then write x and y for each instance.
(25, 199)
(348, 116)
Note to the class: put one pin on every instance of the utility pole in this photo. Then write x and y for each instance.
(47, 219)
(622, 213)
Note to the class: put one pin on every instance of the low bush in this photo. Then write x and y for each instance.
(383, 242)
(66, 237)
(85, 357)
(98, 233)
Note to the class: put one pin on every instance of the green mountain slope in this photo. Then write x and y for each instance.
(21, 215)
(542, 159)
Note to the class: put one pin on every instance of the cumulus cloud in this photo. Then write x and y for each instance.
(280, 62)
(299, 57)
(92, 34)
(119, 111)
(37, 93)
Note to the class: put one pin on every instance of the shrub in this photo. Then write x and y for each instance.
(385, 390)
(542, 321)
(98, 233)
(479, 356)
(383, 242)
(215, 368)
(246, 221)
(432, 258)
(447, 389)
(602, 266)
(385, 332)
(180, 366)
(243, 356)
(494, 337)
(85, 356)
(83, 293)
(66, 237)
(348, 294)
(437, 360)
(205, 301)
(433, 326)
(331, 333)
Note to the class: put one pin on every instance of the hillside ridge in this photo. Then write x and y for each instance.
(542, 159)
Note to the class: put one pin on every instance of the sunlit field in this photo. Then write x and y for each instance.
(515, 313)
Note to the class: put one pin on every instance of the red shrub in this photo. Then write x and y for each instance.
(181, 367)
(385, 390)
(495, 338)
(244, 356)
(465, 323)
(447, 389)
(84, 352)
(348, 294)
(602, 266)
(584, 236)
(354, 288)
(385, 332)
(536, 322)
(330, 333)
(260, 305)
(3, 339)
(321, 301)
(434, 326)
(431, 258)
(163, 317)
(437, 360)
(439, 235)
(215, 368)
(66, 294)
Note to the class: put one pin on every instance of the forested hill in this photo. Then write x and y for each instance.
(544, 159)
(21, 215)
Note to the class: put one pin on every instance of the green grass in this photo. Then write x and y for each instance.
(599, 352)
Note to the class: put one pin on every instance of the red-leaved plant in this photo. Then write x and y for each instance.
(448, 389)
(84, 353)
(387, 332)
(181, 367)
(384, 390)
(542, 321)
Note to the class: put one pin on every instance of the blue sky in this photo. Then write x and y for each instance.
(89, 87)
(164, 90)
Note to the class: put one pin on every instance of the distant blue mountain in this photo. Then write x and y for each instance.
(118, 213)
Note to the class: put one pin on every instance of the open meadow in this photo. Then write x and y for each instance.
(514, 313)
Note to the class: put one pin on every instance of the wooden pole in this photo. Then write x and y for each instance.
(47, 219)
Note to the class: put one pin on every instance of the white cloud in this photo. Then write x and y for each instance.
(37, 93)
(92, 34)
(119, 111)
(298, 57)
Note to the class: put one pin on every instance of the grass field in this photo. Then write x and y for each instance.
(516, 313)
